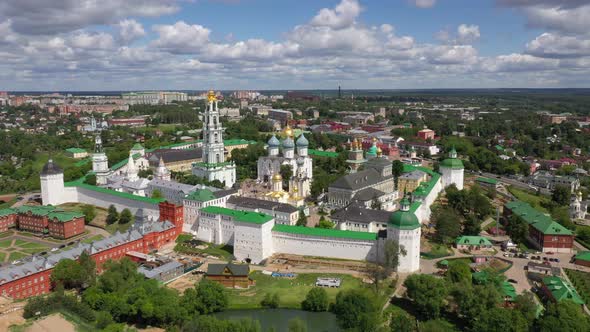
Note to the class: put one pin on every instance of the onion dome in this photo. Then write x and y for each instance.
(274, 141)
(51, 169)
(404, 218)
(372, 151)
(277, 177)
(300, 161)
(288, 143)
(302, 141)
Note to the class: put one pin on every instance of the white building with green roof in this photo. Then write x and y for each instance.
(452, 170)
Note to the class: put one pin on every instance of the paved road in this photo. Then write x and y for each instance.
(514, 182)
(25, 199)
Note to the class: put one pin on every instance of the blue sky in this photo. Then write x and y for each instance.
(262, 44)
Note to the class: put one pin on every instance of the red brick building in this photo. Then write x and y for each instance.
(426, 134)
(544, 233)
(32, 278)
(43, 219)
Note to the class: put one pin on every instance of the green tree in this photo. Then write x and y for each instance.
(324, 223)
(90, 179)
(212, 296)
(297, 325)
(125, 216)
(459, 272)
(517, 228)
(473, 301)
(68, 273)
(355, 309)
(471, 226)
(112, 215)
(383, 269)
(271, 301)
(286, 172)
(397, 169)
(437, 325)
(561, 195)
(89, 213)
(302, 220)
(428, 293)
(88, 266)
(315, 300)
(525, 303)
(563, 316)
(447, 225)
(501, 319)
(402, 322)
(157, 194)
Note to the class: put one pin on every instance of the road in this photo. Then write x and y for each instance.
(26, 197)
(514, 182)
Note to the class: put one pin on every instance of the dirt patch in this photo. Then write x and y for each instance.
(185, 282)
(55, 322)
(12, 318)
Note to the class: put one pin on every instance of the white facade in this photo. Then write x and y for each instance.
(452, 176)
(253, 242)
(52, 188)
(410, 241)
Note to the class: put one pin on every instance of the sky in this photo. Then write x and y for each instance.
(74, 45)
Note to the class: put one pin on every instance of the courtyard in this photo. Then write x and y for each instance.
(14, 247)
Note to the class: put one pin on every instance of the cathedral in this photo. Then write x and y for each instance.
(292, 153)
(214, 166)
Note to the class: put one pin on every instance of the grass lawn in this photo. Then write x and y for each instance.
(7, 204)
(532, 199)
(5, 234)
(222, 251)
(291, 291)
(91, 239)
(20, 243)
(5, 243)
(33, 250)
(16, 256)
(32, 245)
(581, 281)
(2, 257)
(436, 250)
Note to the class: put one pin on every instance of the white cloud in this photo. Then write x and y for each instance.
(130, 30)
(467, 34)
(181, 37)
(86, 40)
(46, 17)
(552, 45)
(423, 3)
(342, 16)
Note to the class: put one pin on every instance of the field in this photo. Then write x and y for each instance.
(12, 249)
(291, 291)
(222, 251)
(581, 281)
(431, 250)
(525, 196)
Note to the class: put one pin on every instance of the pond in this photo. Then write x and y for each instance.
(279, 318)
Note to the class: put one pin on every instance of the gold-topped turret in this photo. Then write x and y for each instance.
(379, 152)
(211, 96)
(288, 132)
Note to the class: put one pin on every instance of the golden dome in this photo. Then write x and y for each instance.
(295, 190)
(379, 151)
(288, 131)
(277, 177)
(211, 96)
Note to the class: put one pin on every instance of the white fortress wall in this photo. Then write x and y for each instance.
(306, 245)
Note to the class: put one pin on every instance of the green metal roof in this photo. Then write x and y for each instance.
(49, 211)
(124, 162)
(542, 222)
(319, 153)
(508, 290)
(137, 146)
(243, 216)
(499, 147)
(201, 195)
(6, 212)
(583, 256)
(487, 180)
(114, 192)
(453, 163)
(405, 220)
(75, 150)
(562, 290)
(323, 232)
(473, 240)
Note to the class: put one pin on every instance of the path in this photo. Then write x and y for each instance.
(26, 197)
